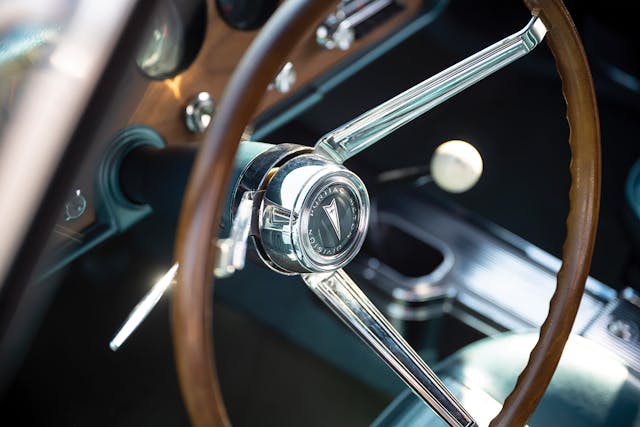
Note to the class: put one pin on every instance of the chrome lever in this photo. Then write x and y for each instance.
(231, 256)
(232, 250)
(351, 305)
(143, 308)
(367, 129)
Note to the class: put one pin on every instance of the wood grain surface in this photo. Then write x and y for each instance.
(164, 101)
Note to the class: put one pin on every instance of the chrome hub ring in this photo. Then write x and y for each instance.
(313, 217)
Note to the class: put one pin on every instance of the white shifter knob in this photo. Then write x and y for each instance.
(456, 166)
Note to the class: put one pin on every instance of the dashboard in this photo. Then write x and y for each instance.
(175, 78)
(162, 106)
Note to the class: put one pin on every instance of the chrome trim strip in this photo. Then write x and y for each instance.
(492, 273)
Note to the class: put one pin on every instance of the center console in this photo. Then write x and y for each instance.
(427, 260)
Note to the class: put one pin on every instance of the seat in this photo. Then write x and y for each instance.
(591, 388)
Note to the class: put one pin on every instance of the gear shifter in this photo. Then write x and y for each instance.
(456, 166)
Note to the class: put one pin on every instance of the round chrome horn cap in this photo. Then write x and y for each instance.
(313, 216)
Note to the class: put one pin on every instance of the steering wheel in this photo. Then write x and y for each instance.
(207, 188)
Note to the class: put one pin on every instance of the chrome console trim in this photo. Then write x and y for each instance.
(493, 273)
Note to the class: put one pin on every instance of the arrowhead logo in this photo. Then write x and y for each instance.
(332, 213)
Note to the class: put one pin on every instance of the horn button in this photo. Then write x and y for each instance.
(313, 216)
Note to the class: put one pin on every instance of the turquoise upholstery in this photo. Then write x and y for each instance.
(591, 388)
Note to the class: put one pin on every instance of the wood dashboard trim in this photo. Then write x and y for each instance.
(162, 106)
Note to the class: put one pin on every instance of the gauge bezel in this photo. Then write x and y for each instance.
(260, 14)
(191, 20)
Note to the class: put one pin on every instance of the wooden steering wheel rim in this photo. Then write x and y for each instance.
(192, 301)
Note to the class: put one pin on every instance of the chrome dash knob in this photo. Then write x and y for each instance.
(313, 216)
(338, 36)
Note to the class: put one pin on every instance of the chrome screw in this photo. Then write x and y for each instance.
(622, 329)
(199, 112)
(75, 206)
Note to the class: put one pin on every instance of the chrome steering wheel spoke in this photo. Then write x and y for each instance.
(350, 304)
(367, 129)
(335, 288)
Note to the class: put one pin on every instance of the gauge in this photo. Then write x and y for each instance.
(174, 37)
(246, 15)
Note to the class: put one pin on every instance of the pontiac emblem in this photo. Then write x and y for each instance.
(332, 213)
(333, 228)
